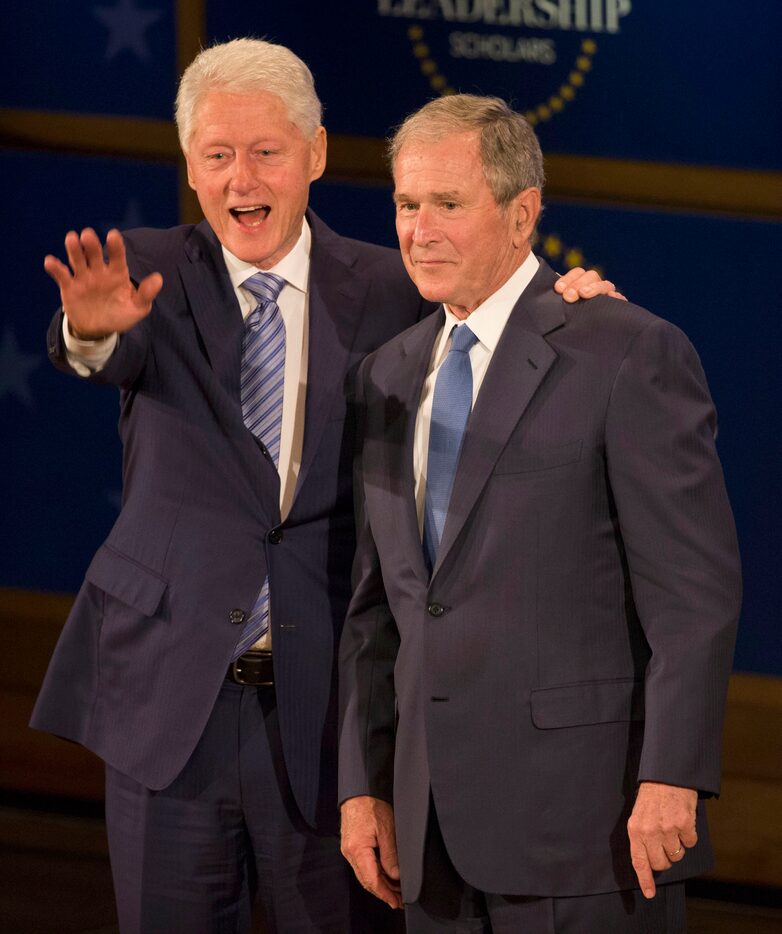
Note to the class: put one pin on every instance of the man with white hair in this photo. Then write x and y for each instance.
(199, 658)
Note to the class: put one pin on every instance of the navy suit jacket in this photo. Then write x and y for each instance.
(142, 656)
(576, 634)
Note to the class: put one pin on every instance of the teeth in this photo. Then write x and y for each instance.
(257, 207)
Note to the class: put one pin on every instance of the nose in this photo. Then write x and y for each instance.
(425, 229)
(243, 177)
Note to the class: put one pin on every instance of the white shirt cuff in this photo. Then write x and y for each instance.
(87, 357)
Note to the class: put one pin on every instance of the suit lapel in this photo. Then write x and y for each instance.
(336, 305)
(519, 365)
(214, 306)
(402, 394)
(218, 318)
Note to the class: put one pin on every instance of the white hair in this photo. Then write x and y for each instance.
(245, 66)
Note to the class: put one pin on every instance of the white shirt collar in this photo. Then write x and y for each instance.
(488, 320)
(294, 267)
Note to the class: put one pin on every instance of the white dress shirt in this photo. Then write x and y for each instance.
(487, 323)
(294, 307)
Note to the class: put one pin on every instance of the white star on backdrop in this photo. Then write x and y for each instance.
(15, 369)
(127, 25)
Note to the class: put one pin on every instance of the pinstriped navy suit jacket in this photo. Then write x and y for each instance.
(145, 649)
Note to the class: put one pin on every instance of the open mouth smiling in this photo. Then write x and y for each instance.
(250, 216)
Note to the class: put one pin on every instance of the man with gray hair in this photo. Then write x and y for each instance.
(534, 665)
(199, 658)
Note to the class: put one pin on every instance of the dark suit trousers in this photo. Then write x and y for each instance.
(192, 858)
(449, 905)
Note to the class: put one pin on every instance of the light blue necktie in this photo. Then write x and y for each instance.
(451, 407)
(262, 379)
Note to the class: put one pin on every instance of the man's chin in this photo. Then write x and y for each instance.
(254, 247)
(431, 291)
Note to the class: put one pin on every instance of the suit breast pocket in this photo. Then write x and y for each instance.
(519, 459)
(587, 703)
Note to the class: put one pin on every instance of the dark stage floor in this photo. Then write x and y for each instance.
(56, 880)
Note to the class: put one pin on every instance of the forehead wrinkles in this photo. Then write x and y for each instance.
(445, 166)
(222, 108)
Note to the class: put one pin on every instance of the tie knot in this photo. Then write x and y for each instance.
(462, 338)
(264, 286)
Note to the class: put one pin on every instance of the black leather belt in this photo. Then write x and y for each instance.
(253, 669)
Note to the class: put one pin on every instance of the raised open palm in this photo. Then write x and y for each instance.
(97, 294)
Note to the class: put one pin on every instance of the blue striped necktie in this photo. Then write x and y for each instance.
(262, 379)
(451, 406)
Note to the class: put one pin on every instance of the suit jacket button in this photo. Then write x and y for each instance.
(436, 609)
(275, 536)
(237, 617)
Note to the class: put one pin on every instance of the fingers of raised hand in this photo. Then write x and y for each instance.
(85, 254)
(97, 294)
(91, 248)
(75, 252)
(83, 251)
(148, 289)
(57, 270)
(115, 246)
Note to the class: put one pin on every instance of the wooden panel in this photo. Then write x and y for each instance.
(608, 181)
(361, 159)
(666, 186)
(708, 916)
(191, 37)
(746, 829)
(35, 762)
(753, 729)
(31, 623)
(38, 763)
(746, 821)
(127, 137)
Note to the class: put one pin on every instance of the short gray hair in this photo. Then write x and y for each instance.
(510, 151)
(245, 66)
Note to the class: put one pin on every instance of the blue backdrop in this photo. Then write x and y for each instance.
(665, 81)
(637, 79)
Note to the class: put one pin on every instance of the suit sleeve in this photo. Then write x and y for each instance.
(680, 542)
(368, 649)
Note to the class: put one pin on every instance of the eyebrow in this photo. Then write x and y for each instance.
(401, 197)
(216, 140)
